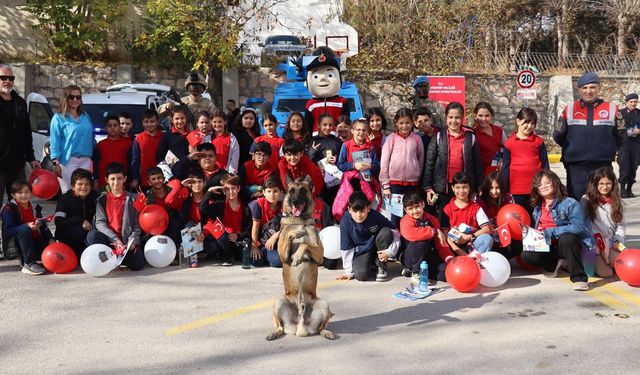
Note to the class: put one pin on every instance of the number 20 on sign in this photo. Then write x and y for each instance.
(526, 79)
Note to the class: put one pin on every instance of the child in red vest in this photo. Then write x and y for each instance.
(296, 128)
(144, 149)
(203, 131)
(377, 125)
(270, 124)
(254, 173)
(22, 223)
(114, 148)
(234, 215)
(525, 154)
(265, 229)
(461, 210)
(295, 165)
(226, 144)
(490, 137)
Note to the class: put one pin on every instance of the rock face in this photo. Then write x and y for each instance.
(390, 91)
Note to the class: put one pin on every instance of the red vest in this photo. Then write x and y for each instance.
(113, 150)
(351, 147)
(148, 148)
(222, 144)
(319, 106)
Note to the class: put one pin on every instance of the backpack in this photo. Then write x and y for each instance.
(345, 191)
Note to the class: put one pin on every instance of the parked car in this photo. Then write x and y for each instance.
(98, 106)
(281, 46)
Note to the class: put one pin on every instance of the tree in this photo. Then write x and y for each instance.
(78, 29)
(203, 33)
(624, 14)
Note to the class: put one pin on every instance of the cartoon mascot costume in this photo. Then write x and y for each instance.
(324, 81)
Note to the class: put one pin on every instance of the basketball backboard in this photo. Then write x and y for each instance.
(340, 37)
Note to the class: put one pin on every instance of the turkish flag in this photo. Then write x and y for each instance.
(215, 228)
(504, 234)
(601, 246)
(140, 202)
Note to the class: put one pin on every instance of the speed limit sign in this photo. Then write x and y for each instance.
(526, 78)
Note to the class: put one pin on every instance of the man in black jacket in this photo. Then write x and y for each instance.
(16, 144)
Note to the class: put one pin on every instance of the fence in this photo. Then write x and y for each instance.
(541, 61)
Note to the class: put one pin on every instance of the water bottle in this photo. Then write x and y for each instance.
(589, 261)
(246, 254)
(423, 286)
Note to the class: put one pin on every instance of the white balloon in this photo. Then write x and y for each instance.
(160, 251)
(494, 270)
(330, 238)
(98, 260)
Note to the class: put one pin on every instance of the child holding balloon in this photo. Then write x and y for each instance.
(22, 222)
(604, 209)
(565, 229)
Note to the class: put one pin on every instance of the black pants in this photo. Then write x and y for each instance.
(365, 264)
(8, 175)
(569, 248)
(629, 160)
(578, 176)
(416, 252)
(74, 236)
(222, 248)
(511, 251)
(525, 201)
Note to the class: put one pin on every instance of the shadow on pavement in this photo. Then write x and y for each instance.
(416, 314)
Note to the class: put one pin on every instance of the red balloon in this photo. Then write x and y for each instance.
(514, 215)
(154, 219)
(463, 274)
(627, 266)
(44, 183)
(59, 258)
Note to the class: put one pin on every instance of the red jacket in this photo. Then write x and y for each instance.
(316, 107)
(522, 159)
(303, 168)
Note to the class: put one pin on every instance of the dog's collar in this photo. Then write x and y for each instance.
(292, 220)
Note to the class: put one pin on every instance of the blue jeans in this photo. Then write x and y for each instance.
(483, 243)
(269, 258)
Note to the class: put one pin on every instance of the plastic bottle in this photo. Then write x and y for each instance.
(423, 286)
(589, 261)
(246, 254)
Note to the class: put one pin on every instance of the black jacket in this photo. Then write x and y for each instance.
(16, 144)
(437, 162)
(330, 142)
(72, 210)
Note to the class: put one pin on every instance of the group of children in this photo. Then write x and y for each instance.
(432, 180)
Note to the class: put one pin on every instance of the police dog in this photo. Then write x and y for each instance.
(300, 312)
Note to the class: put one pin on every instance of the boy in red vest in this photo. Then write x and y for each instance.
(158, 193)
(145, 147)
(115, 148)
(295, 164)
(461, 210)
(254, 172)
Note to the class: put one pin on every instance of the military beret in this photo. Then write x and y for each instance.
(587, 78)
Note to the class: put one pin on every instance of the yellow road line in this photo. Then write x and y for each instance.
(612, 296)
(173, 331)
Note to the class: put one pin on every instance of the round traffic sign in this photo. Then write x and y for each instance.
(526, 78)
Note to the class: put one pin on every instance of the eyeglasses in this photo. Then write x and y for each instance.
(259, 154)
(8, 78)
(74, 97)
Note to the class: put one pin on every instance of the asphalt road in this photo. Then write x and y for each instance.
(214, 319)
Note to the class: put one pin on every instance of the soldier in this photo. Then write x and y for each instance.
(629, 153)
(421, 99)
(195, 84)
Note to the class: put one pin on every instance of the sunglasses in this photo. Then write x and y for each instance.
(74, 97)
(8, 78)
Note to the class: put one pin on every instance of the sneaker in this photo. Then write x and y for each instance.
(33, 269)
(562, 263)
(382, 274)
(406, 272)
(581, 286)
(193, 261)
(227, 263)
(415, 279)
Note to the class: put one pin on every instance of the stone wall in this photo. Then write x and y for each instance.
(390, 94)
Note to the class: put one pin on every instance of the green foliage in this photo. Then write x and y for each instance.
(203, 33)
(78, 29)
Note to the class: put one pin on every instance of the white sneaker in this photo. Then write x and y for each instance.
(33, 269)
(581, 286)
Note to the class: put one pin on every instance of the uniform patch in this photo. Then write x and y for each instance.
(603, 113)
